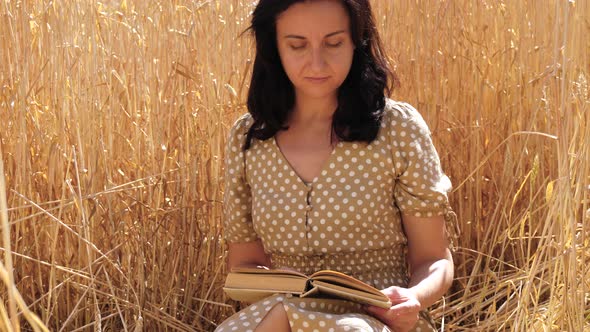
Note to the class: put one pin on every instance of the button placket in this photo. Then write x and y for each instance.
(308, 209)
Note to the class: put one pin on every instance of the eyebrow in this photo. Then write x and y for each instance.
(328, 35)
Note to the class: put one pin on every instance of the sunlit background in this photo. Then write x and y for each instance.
(113, 119)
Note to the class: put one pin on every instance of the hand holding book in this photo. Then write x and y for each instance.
(404, 313)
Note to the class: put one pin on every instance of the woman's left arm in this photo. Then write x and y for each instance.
(431, 273)
(421, 189)
(429, 258)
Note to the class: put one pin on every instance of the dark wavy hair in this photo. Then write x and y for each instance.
(361, 97)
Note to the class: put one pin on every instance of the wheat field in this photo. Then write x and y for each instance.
(113, 119)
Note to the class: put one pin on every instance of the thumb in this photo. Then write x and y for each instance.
(396, 295)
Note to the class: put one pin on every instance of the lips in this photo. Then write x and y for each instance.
(317, 79)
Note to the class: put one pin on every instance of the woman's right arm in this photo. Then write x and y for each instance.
(247, 254)
(244, 245)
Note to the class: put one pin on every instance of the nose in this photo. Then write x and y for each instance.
(317, 59)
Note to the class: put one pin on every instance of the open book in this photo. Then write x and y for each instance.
(253, 284)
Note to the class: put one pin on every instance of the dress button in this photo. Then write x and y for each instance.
(308, 208)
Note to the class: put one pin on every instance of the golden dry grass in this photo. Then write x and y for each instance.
(113, 117)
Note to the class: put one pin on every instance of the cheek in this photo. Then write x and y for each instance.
(342, 63)
(291, 65)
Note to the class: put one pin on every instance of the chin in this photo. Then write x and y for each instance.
(318, 93)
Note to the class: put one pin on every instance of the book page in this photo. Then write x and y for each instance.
(353, 294)
(254, 270)
(344, 280)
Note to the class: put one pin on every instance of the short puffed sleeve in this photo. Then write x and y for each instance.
(421, 186)
(237, 199)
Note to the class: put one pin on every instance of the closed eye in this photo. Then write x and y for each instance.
(334, 45)
(297, 47)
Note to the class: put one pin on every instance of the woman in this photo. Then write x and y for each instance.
(325, 172)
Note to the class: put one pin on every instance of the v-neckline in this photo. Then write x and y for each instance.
(292, 170)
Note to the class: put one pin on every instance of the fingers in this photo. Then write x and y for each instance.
(404, 308)
(376, 311)
(401, 317)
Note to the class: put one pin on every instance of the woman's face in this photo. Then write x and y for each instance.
(315, 46)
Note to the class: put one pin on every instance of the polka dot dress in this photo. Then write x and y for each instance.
(345, 219)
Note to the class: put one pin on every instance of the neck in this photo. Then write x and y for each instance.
(313, 110)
